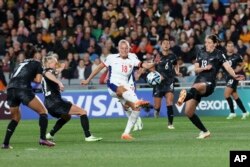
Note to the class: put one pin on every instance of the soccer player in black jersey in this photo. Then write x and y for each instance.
(19, 91)
(57, 107)
(168, 68)
(208, 62)
(236, 62)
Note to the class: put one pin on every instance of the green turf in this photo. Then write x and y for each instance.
(154, 146)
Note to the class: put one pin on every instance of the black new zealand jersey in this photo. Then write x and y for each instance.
(166, 67)
(234, 60)
(50, 88)
(25, 73)
(216, 59)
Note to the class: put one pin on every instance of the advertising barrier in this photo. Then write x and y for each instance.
(99, 104)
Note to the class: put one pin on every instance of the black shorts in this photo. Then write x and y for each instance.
(210, 86)
(162, 89)
(16, 96)
(232, 83)
(57, 106)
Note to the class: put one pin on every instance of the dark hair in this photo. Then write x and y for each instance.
(165, 39)
(214, 38)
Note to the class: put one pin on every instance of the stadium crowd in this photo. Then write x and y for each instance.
(84, 32)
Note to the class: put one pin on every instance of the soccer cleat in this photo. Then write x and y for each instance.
(4, 146)
(92, 138)
(141, 103)
(46, 143)
(171, 127)
(138, 125)
(49, 137)
(182, 97)
(231, 116)
(203, 135)
(156, 114)
(245, 115)
(127, 137)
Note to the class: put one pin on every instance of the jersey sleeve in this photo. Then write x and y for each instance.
(136, 61)
(222, 57)
(39, 68)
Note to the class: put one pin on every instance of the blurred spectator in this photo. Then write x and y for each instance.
(3, 82)
(87, 64)
(245, 35)
(246, 61)
(176, 9)
(217, 9)
(80, 69)
(182, 67)
(90, 26)
(241, 47)
(190, 69)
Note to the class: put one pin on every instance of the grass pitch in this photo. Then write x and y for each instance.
(155, 145)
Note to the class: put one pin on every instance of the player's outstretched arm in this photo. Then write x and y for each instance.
(93, 74)
(148, 65)
(229, 69)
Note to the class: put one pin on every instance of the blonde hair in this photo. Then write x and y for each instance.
(124, 41)
(48, 59)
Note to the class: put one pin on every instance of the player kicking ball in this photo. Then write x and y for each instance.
(120, 67)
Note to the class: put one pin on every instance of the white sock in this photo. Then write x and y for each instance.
(131, 121)
(128, 111)
(130, 96)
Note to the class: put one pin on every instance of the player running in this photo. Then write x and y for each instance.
(236, 62)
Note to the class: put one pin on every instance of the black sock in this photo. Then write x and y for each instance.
(85, 125)
(230, 103)
(240, 104)
(192, 93)
(170, 114)
(10, 130)
(158, 110)
(43, 123)
(197, 122)
(59, 124)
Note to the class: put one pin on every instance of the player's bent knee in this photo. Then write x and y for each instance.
(156, 107)
(189, 114)
(82, 112)
(120, 90)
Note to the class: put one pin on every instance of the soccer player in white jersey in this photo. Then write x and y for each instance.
(120, 67)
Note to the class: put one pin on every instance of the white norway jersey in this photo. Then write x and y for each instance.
(121, 69)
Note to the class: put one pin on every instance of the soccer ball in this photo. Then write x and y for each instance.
(154, 78)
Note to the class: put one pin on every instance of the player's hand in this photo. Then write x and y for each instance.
(60, 67)
(179, 74)
(208, 67)
(84, 82)
(239, 77)
(61, 86)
